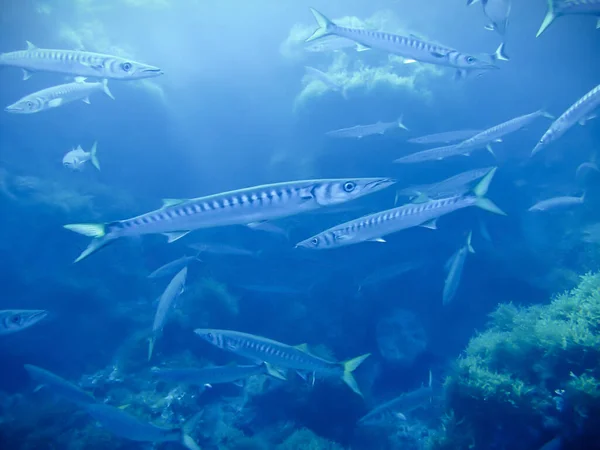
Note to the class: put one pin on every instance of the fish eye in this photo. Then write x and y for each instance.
(209, 336)
(30, 104)
(126, 66)
(349, 186)
(315, 241)
(470, 59)
(16, 319)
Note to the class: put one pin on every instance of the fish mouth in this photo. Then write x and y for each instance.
(154, 70)
(383, 182)
(36, 316)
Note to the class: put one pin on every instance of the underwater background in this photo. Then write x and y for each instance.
(234, 109)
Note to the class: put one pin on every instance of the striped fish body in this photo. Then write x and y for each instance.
(445, 137)
(56, 96)
(171, 293)
(457, 184)
(557, 203)
(76, 63)
(360, 131)
(244, 206)
(210, 375)
(375, 226)
(275, 353)
(496, 132)
(577, 7)
(14, 320)
(408, 47)
(577, 113)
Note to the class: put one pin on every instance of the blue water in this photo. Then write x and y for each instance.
(226, 115)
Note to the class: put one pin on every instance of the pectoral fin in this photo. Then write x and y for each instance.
(431, 224)
(174, 236)
(27, 74)
(55, 102)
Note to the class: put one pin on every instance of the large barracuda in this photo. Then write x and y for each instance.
(76, 63)
(454, 268)
(558, 8)
(580, 112)
(374, 226)
(281, 355)
(59, 386)
(245, 206)
(411, 48)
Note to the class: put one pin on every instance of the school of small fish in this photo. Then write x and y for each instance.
(256, 207)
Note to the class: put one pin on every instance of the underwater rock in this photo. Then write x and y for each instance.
(401, 337)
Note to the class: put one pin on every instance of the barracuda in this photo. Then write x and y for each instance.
(281, 355)
(445, 137)
(58, 386)
(373, 227)
(495, 133)
(411, 48)
(454, 269)
(580, 112)
(76, 63)
(13, 320)
(241, 207)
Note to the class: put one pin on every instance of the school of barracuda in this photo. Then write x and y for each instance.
(257, 206)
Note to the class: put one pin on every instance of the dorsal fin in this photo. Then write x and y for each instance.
(79, 79)
(30, 46)
(171, 202)
(302, 348)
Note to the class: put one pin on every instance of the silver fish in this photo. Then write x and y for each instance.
(222, 249)
(281, 355)
(454, 268)
(56, 96)
(76, 63)
(207, 376)
(456, 185)
(444, 138)
(173, 290)
(558, 8)
(497, 132)
(13, 320)
(433, 154)
(373, 227)
(58, 385)
(580, 112)
(174, 266)
(178, 217)
(557, 203)
(268, 227)
(389, 413)
(316, 74)
(124, 425)
(410, 48)
(360, 131)
(584, 168)
(76, 158)
(497, 11)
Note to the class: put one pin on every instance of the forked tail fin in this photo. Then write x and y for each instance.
(551, 15)
(349, 367)
(95, 230)
(325, 26)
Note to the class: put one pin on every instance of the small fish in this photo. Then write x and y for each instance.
(174, 266)
(126, 426)
(557, 203)
(497, 11)
(316, 74)
(410, 48)
(57, 96)
(558, 8)
(281, 355)
(433, 154)
(454, 268)
(268, 202)
(375, 226)
(13, 320)
(585, 168)
(76, 158)
(268, 227)
(76, 63)
(207, 376)
(389, 413)
(173, 290)
(456, 185)
(580, 112)
(444, 138)
(360, 131)
(331, 44)
(497, 132)
(222, 249)
(58, 385)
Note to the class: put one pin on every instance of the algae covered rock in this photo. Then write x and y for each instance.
(533, 375)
